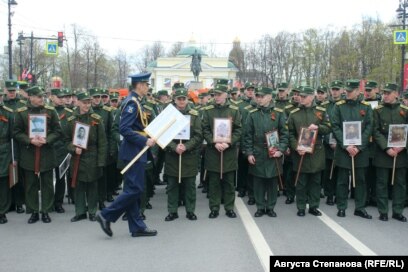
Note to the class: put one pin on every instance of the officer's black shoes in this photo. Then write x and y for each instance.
(321, 195)
(145, 232)
(383, 217)
(341, 213)
(241, 193)
(251, 201)
(124, 217)
(101, 205)
(20, 209)
(231, 214)
(3, 219)
(363, 214)
(105, 225)
(109, 198)
(171, 216)
(329, 201)
(315, 211)
(259, 213)
(92, 217)
(142, 216)
(45, 218)
(59, 209)
(213, 214)
(301, 212)
(191, 216)
(80, 217)
(399, 217)
(149, 206)
(33, 218)
(200, 185)
(205, 190)
(289, 200)
(271, 213)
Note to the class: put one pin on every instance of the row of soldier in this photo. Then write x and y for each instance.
(258, 170)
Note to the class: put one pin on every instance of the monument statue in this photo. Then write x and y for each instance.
(196, 65)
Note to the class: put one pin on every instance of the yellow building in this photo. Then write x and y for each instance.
(168, 70)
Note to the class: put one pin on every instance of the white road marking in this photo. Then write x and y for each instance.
(255, 235)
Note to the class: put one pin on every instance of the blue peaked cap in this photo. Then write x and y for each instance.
(142, 77)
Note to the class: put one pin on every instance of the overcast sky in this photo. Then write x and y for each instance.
(130, 24)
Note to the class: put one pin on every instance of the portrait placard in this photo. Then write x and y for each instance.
(81, 135)
(307, 140)
(397, 135)
(272, 139)
(37, 125)
(352, 133)
(222, 130)
(63, 167)
(184, 134)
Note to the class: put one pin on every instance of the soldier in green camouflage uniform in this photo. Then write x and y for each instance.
(391, 112)
(314, 118)
(28, 146)
(91, 160)
(187, 151)
(265, 158)
(221, 109)
(352, 109)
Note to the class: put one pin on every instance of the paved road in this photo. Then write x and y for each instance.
(222, 244)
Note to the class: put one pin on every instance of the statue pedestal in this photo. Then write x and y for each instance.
(195, 85)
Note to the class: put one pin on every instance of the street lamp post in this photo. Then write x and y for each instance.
(10, 42)
(401, 11)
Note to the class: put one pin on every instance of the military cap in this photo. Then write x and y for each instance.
(35, 91)
(296, 89)
(142, 77)
(67, 92)
(352, 84)
(219, 88)
(322, 89)
(11, 85)
(369, 85)
(181, 92)
(337, 84)
(249, 85)
(203, 94)
(390, 87)
(162, 92)
(211, 91)
(221, 81)
(282, 86)
(307, 90)
(57, 92)
(114, 96)
(104, 92)
(178, 85)
(264, 91)
(22, 85)
(94, 91)
(83, 96)
(234, 90)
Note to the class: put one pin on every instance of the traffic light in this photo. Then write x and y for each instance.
(60, 39)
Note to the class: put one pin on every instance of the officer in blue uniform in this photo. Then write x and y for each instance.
(132, 123)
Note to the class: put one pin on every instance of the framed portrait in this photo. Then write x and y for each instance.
(397, 135)
(307, 139)
(272, 139)
(352, 133)
(63, 167)
(81, 135)
(37, 125)
(222, 130)
(184, 134)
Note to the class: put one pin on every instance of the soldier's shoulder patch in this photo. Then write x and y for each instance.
(248, 107)
(341, 102)
(295, 110)
(325, 103)
(71, 118)
(278, 109)
(23, 101)
(233, 107)
(68, 110)
(253, 110)
(236, 102)
(96, 116)
(379, 107)
(147, 107)
(48, 107)
(193, 112)
(22, 109)
(288, 106)
(7, 109)
(404, 107)
(320, 108)
(107, 108)
(208, 107)
(365, 103)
